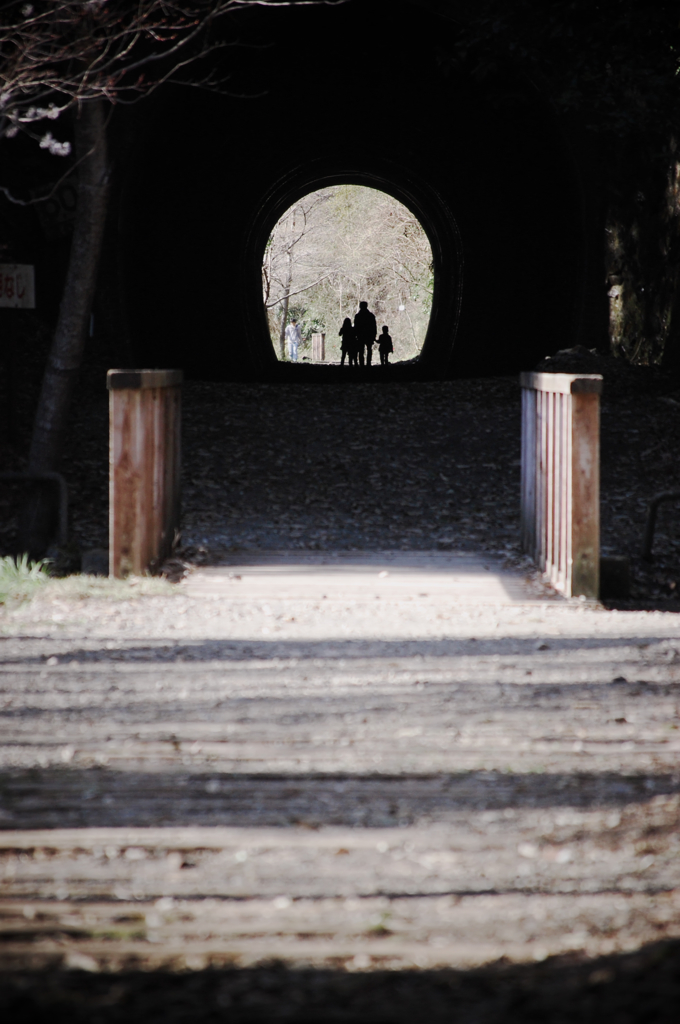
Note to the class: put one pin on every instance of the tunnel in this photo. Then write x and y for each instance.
(432, 216)
(359, 93)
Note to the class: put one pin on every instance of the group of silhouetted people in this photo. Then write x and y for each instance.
(358, 339)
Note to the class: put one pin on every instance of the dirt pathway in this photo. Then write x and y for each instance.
(315, 795)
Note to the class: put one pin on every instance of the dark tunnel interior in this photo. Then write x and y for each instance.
(330, 97)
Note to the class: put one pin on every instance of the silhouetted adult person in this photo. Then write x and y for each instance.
(366, 329)
(385, 346)
(349, 343)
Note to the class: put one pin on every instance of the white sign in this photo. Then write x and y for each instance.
(17, 286)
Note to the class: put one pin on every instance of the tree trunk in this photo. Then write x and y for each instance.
(670, 359)
(66, 354)
(284, 315)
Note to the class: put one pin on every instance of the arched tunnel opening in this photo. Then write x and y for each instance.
(486, 168)
(332, 249)
(356, 732)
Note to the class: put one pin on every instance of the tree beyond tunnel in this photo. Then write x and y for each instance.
(336, 247)
(479, 164)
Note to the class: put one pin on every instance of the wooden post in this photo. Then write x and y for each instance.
(319, 348)
(144, 467)
(561, 478)
(585, 501)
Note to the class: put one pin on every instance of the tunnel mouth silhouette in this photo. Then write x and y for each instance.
(505, 188)
(424, 202)
(333, 249)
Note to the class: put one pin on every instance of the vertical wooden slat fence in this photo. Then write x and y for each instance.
(561, 478)
(144, 467)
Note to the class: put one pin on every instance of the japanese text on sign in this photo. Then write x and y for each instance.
(17, 286)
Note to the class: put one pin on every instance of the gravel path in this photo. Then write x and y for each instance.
(327, 465)
(222, 803)
(233, 807)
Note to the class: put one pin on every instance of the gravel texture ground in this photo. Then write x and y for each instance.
(373, 464)
(224, 806)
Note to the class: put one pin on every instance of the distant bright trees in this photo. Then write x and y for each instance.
(340, 245)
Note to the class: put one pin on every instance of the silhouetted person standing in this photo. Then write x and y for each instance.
(349, 343)
(366, 330)
(385, 346)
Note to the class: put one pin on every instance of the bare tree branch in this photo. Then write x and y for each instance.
(57, 54)
(298, 291)
(355, 243)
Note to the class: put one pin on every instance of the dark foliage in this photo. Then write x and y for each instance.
(616, 61)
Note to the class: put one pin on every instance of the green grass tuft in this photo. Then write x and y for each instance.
(20, 579)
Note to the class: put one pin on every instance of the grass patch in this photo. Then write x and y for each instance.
(83, 588)
(21, 579)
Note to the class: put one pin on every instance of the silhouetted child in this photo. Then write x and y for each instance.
(385, 346)
(350, 347)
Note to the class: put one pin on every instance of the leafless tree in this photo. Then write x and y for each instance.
(61, 54)
(84, 56)
(345, 243)
(297, 257)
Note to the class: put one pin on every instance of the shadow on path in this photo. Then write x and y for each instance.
(627, 988)
(177, 796)
(144, 653)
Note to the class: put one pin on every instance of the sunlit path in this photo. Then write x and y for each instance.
(390, 575)
(353, 762)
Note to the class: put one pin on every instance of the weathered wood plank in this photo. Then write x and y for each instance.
(563, 383)
(144, 467)
(585, 486)
(560, 453)
(121, 380)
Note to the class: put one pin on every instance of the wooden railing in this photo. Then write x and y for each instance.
(144, 467)
(561, 478)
